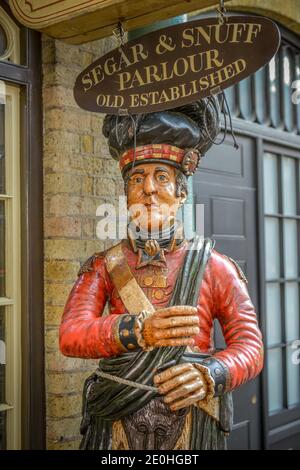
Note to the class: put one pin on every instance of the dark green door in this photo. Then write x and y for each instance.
(226, 185)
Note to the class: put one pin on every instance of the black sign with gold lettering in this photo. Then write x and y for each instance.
(177, 65)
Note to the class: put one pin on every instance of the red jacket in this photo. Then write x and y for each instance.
(223, 295)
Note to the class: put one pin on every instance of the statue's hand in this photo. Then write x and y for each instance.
(183, 385)
(172, 326)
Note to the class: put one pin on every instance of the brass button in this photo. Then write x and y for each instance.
(148, 281)
(218, 371)
(130, 346)
(158, 294)
(220, 388)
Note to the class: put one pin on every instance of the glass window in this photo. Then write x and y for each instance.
(2, 355)
(287, 63)
(293, 378)
(289, 193)
(270, 184)
(10, 354)
(272, 248)
(2, 248)
(282, 297)
(292, 327)
(275, 380)
(15, 40)
(3, 41)
(245, 98)
(274, 90)
(11, 46)
(2, 146)
(290, 237)
(261, 106)
(273, 314)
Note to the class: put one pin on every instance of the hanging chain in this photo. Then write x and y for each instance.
(119, 34)
(222, 12)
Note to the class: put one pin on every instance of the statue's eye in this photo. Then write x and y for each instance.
(142, 428)
(162, 178)
(137, 179)
(161, 432)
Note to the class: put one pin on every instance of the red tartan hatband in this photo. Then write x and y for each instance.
(157, 151)
(186, 160)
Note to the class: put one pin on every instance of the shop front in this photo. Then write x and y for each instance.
(55, 170)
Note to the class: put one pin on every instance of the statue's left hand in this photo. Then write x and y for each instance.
(183, 385)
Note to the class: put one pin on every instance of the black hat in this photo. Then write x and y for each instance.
(179, 136)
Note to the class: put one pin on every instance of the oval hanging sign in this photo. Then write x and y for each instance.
(177, 65)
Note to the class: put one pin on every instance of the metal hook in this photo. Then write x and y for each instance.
(119, 34)
(222, 13)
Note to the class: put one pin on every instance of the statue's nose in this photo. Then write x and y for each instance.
(150, 441)
(149, 185)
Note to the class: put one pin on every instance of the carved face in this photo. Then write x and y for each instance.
(154, 426)
(151, 196)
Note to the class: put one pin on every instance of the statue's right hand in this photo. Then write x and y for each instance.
(172, 326)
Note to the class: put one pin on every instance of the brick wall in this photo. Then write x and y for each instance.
(78, 176)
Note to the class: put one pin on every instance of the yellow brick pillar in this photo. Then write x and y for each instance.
(78, 176)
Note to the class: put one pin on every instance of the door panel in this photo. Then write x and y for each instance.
(226, 185)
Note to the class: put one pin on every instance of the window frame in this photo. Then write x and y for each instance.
(286, 423)
(267, 139)
(12, 301)
(286, 415)
(283, 421)
(28, 77)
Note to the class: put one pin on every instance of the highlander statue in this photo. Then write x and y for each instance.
(160, 383)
